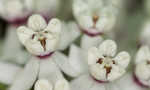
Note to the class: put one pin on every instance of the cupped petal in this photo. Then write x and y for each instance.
(116, 73)
(43, 84)
(108, 48)
(36, 22)
(122, 59)
(8, 72)
(98, 72)
(52, 44)
(34, 47)
(93, 55)
(88, 42)
(27, 77)
(62, 85)
(24, 34)
(142, 55)
(54, 26)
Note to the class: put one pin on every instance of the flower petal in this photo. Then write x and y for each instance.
(143, 54)
(122, 59)
(93, 55)
(70, 32)
(108, 48)
(36, 22)
(43, 84)
(54, 26)
(88, 42)
(27, 77)
(24, 34)
(62, 85)
(116, 73)
(125, 83)
(8, 72)
(50, 71)
(34, 47)
(63, 62)
(84, 82)
(83, 14)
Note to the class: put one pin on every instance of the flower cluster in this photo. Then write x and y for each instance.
(42, 51)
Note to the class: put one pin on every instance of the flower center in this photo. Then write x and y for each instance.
(39, 36)
(107, 62)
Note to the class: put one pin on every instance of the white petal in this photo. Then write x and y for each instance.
(98, 86)
(88, 42)
(36, 23)
(34, 47)
(54, 26)
(108, 48)
(24, 34)
(93, 55)
(142, 71)
(84, 82)
(70, 32)
(50, 71)
(63, 62)
(122, 59)
(116, 73)
(143, 54)
(52, 44)
(27, 77)
(62, 85)
(125, 83)
(8, 72)
(43, 84)
(98, 72)
(83, 14)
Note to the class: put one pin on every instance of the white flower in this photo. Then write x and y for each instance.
(95, 16)
(13, 10)
(142, 62)
(11, 44)
(46, 85)
(79, 64)
(102, 63)
(145, 33)
(37, 69)
(40, 38)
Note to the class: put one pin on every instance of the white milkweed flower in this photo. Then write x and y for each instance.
(139, 78)
(39, 38)
(102, 63)
(145, 33)
(97, 67)
(46, 85)
(15, 11)
(95, 16)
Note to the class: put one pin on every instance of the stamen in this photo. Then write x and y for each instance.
(43, 42)
(108, 70)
